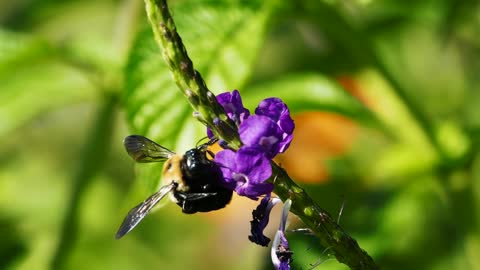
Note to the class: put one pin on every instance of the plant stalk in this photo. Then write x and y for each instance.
(186, 77)
(328, 231)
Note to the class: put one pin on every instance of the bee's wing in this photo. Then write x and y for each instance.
(142, 149)
(140, 211)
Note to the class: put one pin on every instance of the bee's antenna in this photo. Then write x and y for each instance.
(199, 144)
(212, 141)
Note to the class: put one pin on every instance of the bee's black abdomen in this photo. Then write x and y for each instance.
(202, 176)
(207, 204)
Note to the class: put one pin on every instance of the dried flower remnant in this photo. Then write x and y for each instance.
(280, 251)
(261, 216)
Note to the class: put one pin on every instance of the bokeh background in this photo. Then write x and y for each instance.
(385, 96)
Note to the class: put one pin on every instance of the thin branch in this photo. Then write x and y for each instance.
(189, 80)
(344, 247)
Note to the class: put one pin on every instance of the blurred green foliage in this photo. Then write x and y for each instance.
(78, 76)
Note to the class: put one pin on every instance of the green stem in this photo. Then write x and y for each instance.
(185, 76)
(91, 162)
(211, 113)
(328, 231)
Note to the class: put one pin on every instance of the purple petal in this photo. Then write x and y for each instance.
(253, 191)
(245, 171)
(233, 106)
(278, 112)
(253, 163)
(261, 131)
(226, 159)
(210, 133)
(272, 107)
(286, 123)
(285, 143)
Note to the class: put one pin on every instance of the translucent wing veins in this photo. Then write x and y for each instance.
(142, 149)
(140, 211)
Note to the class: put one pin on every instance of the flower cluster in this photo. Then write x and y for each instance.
(263, 136)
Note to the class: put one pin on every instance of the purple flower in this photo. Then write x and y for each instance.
(278, 112)
(260, 131)
(233, 106)
(210, 133)
(260, 220)
(263, 136)
(280, 252)
(245, 171)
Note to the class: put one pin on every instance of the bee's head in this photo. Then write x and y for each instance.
(172, 172)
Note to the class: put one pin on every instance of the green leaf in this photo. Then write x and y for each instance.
(16, 48)
(222, 39)
(307, 92)
(34, 81)
(96, 42)
(419, 213)
(155, 108)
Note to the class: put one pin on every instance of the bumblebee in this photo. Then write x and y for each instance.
(192, 180)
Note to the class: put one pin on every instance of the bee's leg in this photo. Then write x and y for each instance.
(195, 196)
